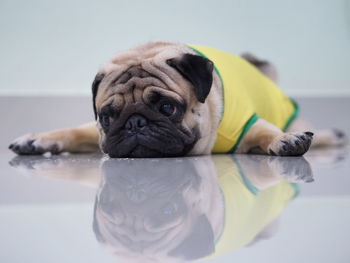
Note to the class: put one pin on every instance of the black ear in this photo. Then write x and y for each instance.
(196, 69)
(95, 85)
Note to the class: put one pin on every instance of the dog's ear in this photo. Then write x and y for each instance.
(199, 243)
(196, 69)
(95, 85)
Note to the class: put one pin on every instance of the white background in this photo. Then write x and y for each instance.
(56, 47)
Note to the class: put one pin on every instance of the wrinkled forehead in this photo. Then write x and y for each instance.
(132, 76)
(156, 52)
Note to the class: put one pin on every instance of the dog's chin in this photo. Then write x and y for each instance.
(139, 151)
(147, 146)
(141, 146)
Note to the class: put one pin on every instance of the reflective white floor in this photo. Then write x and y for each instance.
(85, 208)
(242, 208)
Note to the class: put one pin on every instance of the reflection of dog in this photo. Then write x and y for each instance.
(172, 210)
(167, 99)
(158, 211)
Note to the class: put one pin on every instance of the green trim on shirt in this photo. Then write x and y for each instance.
(246, 128)
(296, 188)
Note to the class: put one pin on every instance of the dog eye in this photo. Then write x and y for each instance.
(105, 121)
(167, 109)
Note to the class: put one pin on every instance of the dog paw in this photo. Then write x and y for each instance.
(338, 138)
(330, 138)
(35, 144)
(291, 144)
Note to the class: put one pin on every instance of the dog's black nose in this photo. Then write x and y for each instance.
(135, 122)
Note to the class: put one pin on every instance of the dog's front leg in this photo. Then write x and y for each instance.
(264, 137)
(83, 138)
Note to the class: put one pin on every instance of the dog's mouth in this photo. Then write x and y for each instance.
(135, 146)
(154, 140)
(142, 151)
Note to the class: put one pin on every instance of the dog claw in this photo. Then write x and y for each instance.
(272, 153)
(340, 134)
(309, 133)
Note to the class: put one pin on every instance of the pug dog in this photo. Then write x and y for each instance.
(164, 99)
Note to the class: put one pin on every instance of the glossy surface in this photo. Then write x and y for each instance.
(243, 208)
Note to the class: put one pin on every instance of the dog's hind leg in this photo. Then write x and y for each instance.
(266, 67)
(322, 137)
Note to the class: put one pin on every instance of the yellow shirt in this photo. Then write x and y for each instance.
(248, 95)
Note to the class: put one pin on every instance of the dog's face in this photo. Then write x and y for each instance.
(150, 101)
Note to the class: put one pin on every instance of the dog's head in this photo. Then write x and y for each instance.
(150, 101)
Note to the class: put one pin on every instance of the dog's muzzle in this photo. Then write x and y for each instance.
(135, 123)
